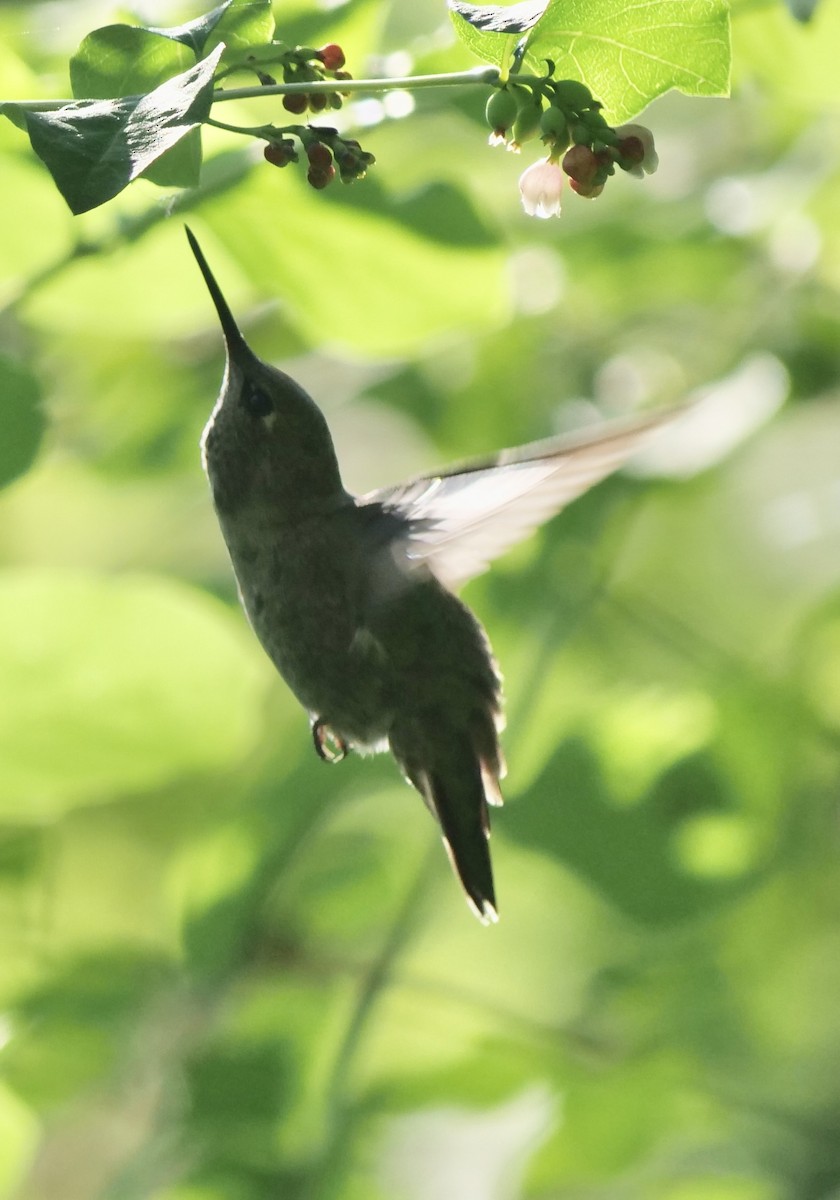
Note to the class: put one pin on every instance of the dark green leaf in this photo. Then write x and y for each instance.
(21, 419)
(237, 23)
(95, 150)
(123, 60)
(627, 854)
(14, 112)
(195, 33)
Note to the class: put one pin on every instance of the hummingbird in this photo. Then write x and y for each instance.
(353, 597)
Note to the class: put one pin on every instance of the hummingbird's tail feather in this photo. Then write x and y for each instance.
(457, 783)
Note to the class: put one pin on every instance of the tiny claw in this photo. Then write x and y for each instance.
(329, 745)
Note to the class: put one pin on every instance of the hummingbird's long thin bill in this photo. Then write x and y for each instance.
(237, 346)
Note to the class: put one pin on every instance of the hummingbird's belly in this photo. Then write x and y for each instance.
(337, 670)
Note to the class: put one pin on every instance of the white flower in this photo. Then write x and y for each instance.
(540, 187)
(650, 159)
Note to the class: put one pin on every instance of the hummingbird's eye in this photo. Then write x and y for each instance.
(256, 401)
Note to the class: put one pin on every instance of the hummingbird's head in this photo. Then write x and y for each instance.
(267, 442)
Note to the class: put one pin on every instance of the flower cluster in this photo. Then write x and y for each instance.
(313, 66)
(306, 65)
(327, 153)
(580, 142)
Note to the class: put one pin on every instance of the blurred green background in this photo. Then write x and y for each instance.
(230, 972)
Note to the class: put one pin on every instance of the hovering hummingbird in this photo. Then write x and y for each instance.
(351, 596)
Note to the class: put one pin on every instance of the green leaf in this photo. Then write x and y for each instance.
(237, 23)
(194, 34)
(515, 18)
(21, 419)
(625, 59)
(122, 60)
(626, 854)
(116, 685)
(94, 150)
(368, 258)
(245, 23)
(627, 62)
(14, 112)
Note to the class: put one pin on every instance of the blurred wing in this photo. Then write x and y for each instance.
(457, 522)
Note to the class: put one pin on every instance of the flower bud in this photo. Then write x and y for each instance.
(332, 56)
(500, 113)
(572, 95)
(281, 153)
(319, 155)
(554, 129)
(527, 123)
(632, 139)
(319, 178)
(296, 102)
(581, 165)
(587, 190)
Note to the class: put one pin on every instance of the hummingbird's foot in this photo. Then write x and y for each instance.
(329, 745)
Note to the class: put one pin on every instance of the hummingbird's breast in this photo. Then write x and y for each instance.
(363, 640)
(305, 588)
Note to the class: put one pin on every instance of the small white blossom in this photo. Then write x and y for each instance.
(540, 187)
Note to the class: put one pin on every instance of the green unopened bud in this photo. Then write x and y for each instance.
(501, 111)
(554, 129)
(572, 95)
(596, 122)
(527, 123)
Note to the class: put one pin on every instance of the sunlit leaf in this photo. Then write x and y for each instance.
(138, 681)
(625, 59)
(390, 288)
(122, 60)
(494, 18)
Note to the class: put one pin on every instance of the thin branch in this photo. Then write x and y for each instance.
(480, 75)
